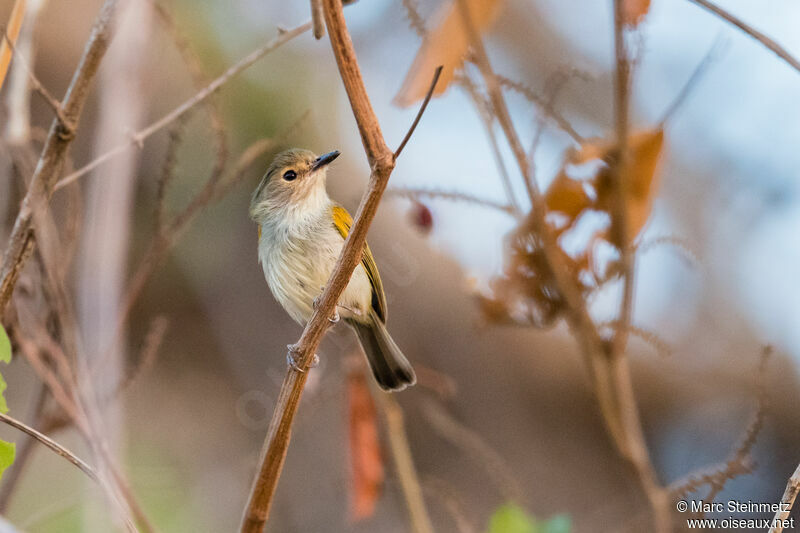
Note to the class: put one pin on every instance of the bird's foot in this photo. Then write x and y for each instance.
(292, 358)
(334, 318)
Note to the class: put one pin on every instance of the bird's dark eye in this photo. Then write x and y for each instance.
(289, 175)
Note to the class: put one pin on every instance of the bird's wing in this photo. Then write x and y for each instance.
(342, 222)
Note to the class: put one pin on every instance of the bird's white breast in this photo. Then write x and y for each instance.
(298, 259)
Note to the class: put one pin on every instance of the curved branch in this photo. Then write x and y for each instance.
(751, 31)
(52, 445)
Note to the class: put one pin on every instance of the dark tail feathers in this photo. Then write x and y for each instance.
(391, 369)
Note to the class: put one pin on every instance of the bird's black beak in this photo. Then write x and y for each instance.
(324, 159)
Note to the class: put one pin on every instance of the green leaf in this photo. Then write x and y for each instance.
(5, 357)
(5, 346)
(558, 524)
(510, 518)
(3, 404)
(8, 451)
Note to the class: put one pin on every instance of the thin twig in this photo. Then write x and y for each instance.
(381, 161)
(412, 193)
(40, 89)
(425, 102)
(752, 32)
(139, 137)
(544, 105)
(451, 502)
(472, 443)
(633, 446)
(487, 118)
(53, 445)
(148, 353)
(739, 461)
(787, 502)
(698, 72)
(403, 461)
(619, 214)
(23, 453)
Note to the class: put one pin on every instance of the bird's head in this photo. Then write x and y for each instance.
(294, 182)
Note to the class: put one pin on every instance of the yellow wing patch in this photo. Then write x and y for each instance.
(342, 221)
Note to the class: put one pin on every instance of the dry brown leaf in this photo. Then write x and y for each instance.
(643, 180)
(567, 196)
(525, 293)
(365, 452)
(12, 32)
(445, 44)
(634, 11)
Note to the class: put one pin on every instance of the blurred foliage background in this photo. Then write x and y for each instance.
(191, 426)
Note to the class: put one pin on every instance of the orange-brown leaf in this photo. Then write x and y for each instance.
(566, 195)
(365, 453)
(445, 44)
(643, 178)
(634, 11)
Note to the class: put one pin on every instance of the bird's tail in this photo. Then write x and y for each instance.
(390, 367)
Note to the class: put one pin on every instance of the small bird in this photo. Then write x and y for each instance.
(301, 232)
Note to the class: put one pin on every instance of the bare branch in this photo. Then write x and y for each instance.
(486, 116)
(697, 74)
(471, 442)
(381, 162)
(52, 159)
(425, 102)
(139, 137)
(52, 445)
(787, 502)
(415, 194)
(739, 461)
(752, 32)
(40, 89)
(403, 461)
(543, 104)
(619, 212)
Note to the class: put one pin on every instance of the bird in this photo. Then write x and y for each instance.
(301, 232)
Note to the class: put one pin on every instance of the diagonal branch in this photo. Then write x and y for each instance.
(51, 444)
(55, 149)
(751, 31)
(381, 161)
(789, 496)
(139, 137)
(37, 85)
(425, 102)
